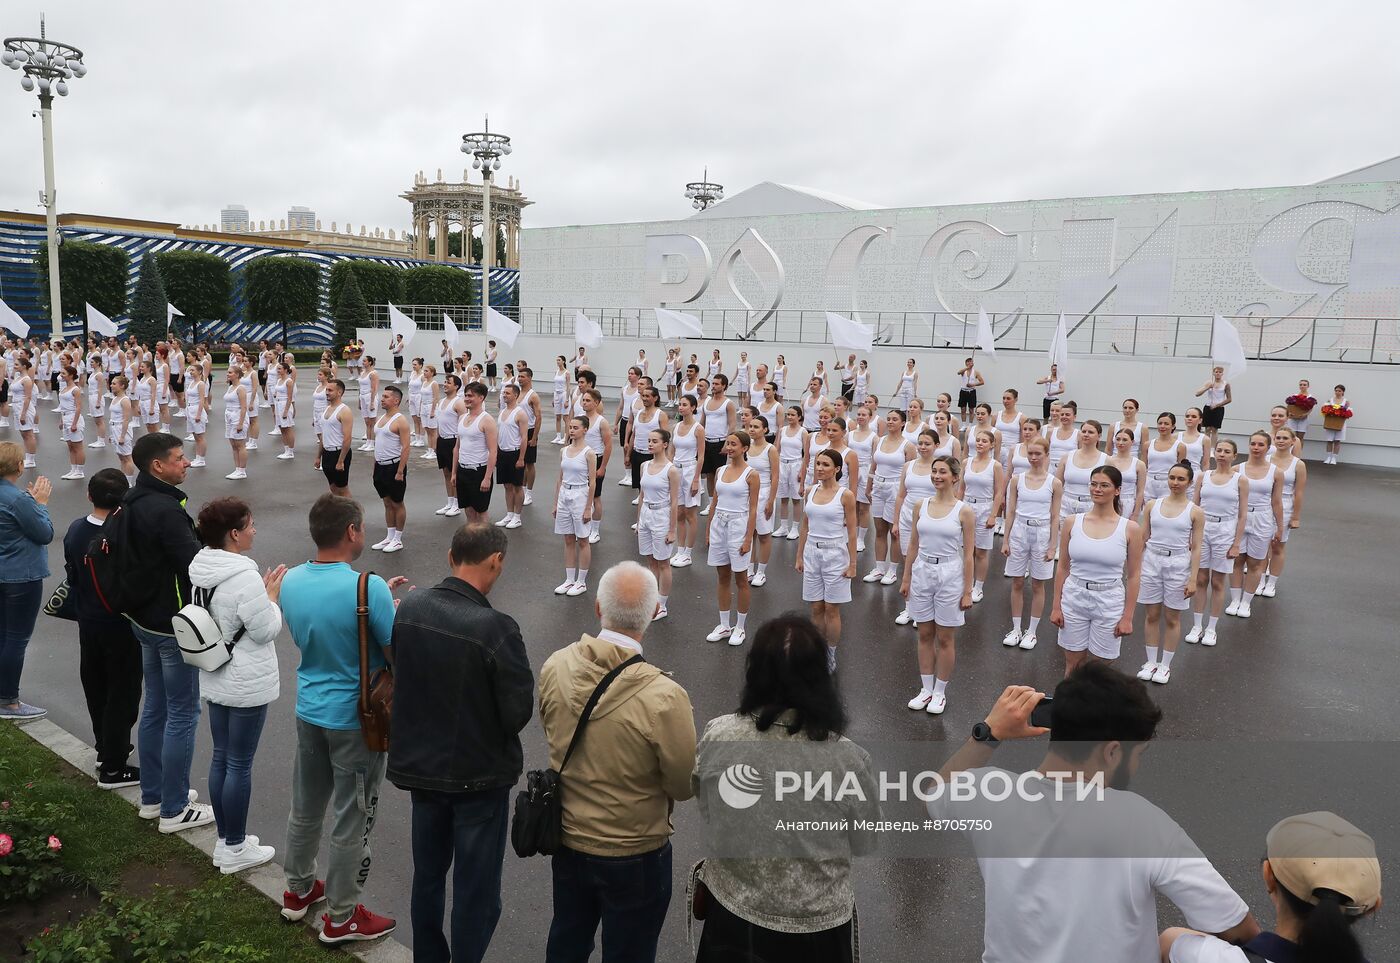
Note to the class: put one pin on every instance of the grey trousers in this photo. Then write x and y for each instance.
(332, 766)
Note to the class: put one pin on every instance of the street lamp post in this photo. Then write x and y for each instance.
(486, 149)
(703, 193)
(47, 66)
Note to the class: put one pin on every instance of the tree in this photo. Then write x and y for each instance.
(93, 274)
(198, 284)
(282, 290)
(378, 283)
(148, 304)
(437, 284)
(351, 313)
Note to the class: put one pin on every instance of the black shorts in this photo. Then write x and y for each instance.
(398, 362)
(490, 369)
(848, 391)
(506, 472)
(714, 457)
(638, 460)
(1212, 417)
(5, 392)
(262, 377)
(532, 453)
(54, 382)
(446, 451)
(967, 397)
(177, 384)
(598, 485)
(679, 378)
(335, 478)
(469, 493)
(621, 430)
(385, 484)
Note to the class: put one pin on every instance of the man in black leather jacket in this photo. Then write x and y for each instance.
(463, 690)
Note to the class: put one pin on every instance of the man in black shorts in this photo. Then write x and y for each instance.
(530, 401)
(336, 427)
(475, 466)
(969, 380)
(512, 428)
(393, 436)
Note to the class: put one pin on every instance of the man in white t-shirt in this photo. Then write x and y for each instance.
(1076, 879)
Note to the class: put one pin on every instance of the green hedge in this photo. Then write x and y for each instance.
(379, 283)
(436, 284)
(198, 284)
(282, 290)
(93, 274)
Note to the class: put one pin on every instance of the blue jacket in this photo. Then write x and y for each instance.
(24, 531)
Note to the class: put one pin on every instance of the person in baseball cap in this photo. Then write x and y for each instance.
(1323, 875)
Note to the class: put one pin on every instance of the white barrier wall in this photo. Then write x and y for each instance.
(1099, 383)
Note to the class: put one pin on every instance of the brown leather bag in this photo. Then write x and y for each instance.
(376, 692)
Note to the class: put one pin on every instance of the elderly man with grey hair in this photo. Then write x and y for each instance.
(622, 780)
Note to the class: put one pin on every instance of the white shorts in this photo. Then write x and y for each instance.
(568, 519)
(73, 435)
(1071, 505)
(1258, 533)
(882, 495)
(1029, 543)
(653, 525)
(824, 571)
(430, 419)
(981, 511)
(198, 426)
(288, 420)
(415, 404)
(861, 497)
(906, 524)
(763, 524)
(369, 408)
(1287, 514)
(1299, 425)
(789, 482)
(1215, 546)
(1164, 578)
(1090, 617)
(727, 533)
(561, 403)
(684, 498)
(936, 591)
(1334, 434)
(150, 418)
(1156, 487)
(232, 432)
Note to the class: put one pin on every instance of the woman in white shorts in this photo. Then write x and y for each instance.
(1172, 528)
(1195, 440)
(826, 549)
(1334, 436)
(70, 413)
(429, 394)
(368, 385)
(96, 397)
(915, 484)
(689, 445)
(121, 424)
(1222, 495)
(239, 402)
(1159, 454)
(946, 429)
(1125, 458)
(936, 584)
(1078, 467)
(561, 404)
(318, 407)
(762, 457)
(146, 397)
(862, 440)
(836, 440)
(731, 535)
(573, 507)
(907, 388)
(197, 414)
(1295, 484)
(657, 513)
(1096, 583)
(1062, 433)
(882, 488)
(1033, 531)
(250, 387)
(982, 487)
(982, 420)
(1263, 522)
(284, 409)
(794, 444)
(413, 393)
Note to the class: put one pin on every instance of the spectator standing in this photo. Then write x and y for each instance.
(109, 658)
(332, 764)
(25, 529)
(463, 691)
(240, 690)
(622, 782)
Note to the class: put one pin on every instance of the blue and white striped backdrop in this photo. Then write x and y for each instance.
(19, 283)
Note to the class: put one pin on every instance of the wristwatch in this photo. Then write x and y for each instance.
(983, 733)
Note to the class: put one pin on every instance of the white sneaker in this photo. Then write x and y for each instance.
(1011, 638)
(1147, 671)
(563, 587)
(252, 445)
(793, 534)
(976, 594)
(199, 463)
(194, 816)
(594, 538)
(382, 544)
(152, 810)
(556, 440)
(903, 618)
(395, 546)
(890, 577)
(453, 512)
(232, 474)
(69, 475)
(529, 497)
(1163, 675)
(736, 637)
(443, 509)
(781, 531)
(759, 580)
(1244, 610)
(428, 456)
(245, 856)
(681, 560)
(860, 547)
(287, 454)
(366, 448)
(634, 524)
(514, 522)
(719, 632)
(1268, 591)
(874, 575)
(577, 589)
(1208, 638)
(417, 443)
(624, 481)
(1028, 641)
(636, 501)
(221, 848)
(275, 430)
(921, 700)
(660, 614)
(936, 705)
(99, 443)
(1233, 608)
(500, 524)
(1194, 635)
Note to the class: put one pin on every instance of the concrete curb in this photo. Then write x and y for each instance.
(267, 879)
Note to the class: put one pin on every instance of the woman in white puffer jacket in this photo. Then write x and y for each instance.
(239, 691)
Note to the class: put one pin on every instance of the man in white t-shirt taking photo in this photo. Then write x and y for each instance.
(1070, 875)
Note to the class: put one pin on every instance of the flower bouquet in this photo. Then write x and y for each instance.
(1300, 406)
(1334, 417)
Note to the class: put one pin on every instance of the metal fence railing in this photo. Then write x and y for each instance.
(1340, 340)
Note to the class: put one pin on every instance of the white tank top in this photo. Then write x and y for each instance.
(941, 537)
(732, 496)
(1097, 559)
(1135, 429)
(1161, 462)
(917, 485)
(425, 394)
(1130, 482)
(979, 484)
(573, 469)
(716, 421)
(94, 382)
(332, 439)
(447, 419)
(1195, 450)
(1061, 447)
(279, 393)
(561, 382)
(684, 442)
(656, 485)
(1261, 490)
(772, 413)
(629, 400)
(1170, 533)
(508, 435)
(1215, 396)
(1034, 502)
(845, 481)
(231, 409)
(642, 429)
(1019, 462)
(811, 412)
(1077, 479)
(888, 464)
(318, 403)
(471, 441)
(1010, 430)
(1290, 478)
(780, 377)
(946, 448)
(864, 449)
(114, 420)
(524, 402)
(1221, 500)
(714, 368)
(790, 445)
(825, 523)
(67, 404)
(388, 446)
(593, 434)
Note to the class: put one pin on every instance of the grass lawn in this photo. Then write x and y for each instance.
(106, 847)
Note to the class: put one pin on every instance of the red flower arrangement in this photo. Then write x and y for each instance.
(1337, 411)
(1306, 402)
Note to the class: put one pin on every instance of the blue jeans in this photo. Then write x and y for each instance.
(466, 832)
(169, 718)
(19, 608)
(236, 730)
(628, 894)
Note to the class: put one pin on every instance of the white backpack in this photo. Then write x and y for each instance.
(198, 635)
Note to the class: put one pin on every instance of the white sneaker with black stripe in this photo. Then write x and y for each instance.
(152, 810)
(194, 816)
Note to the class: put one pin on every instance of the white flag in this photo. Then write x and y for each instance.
(12, 322)
(449, 331)
(587, 332)
(400, 323)
(675, 325)
(171, 313)
(986, 339)
(848, 334)
(1059, 346)
(501, 327)
(1226, 348)
(99, 322)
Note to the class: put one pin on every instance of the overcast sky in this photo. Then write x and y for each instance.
(613, 106)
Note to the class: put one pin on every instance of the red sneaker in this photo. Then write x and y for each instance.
(294, 907)
(362, 925)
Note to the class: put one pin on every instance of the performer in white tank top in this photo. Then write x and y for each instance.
(1295, 483)
(826, 550)
(573, 507)
(1032, 534)
(732, 535)
(1263, 521)
(1223, 496)
(1173, 528)
(657, 515)
(763, 459)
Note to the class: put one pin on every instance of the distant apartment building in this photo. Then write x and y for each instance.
(234, 219)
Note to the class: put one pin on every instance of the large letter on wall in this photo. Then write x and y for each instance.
(663, 251)
(1373, 284)
(764, 263)
(1141, 286)
(843, 269)
(963, 266)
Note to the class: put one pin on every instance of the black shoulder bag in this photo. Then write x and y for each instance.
(538, 824)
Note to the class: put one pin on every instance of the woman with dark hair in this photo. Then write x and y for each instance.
(793, 451)
(244, 605)
(1323, 876)
(1222, 495)
(1160, 454)
(1172, 528)
(1295, 484)
(731, 534)
(782, 909)
(1263, 522)
(826, 550)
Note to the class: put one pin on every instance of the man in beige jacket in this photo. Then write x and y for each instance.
(631, 766)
